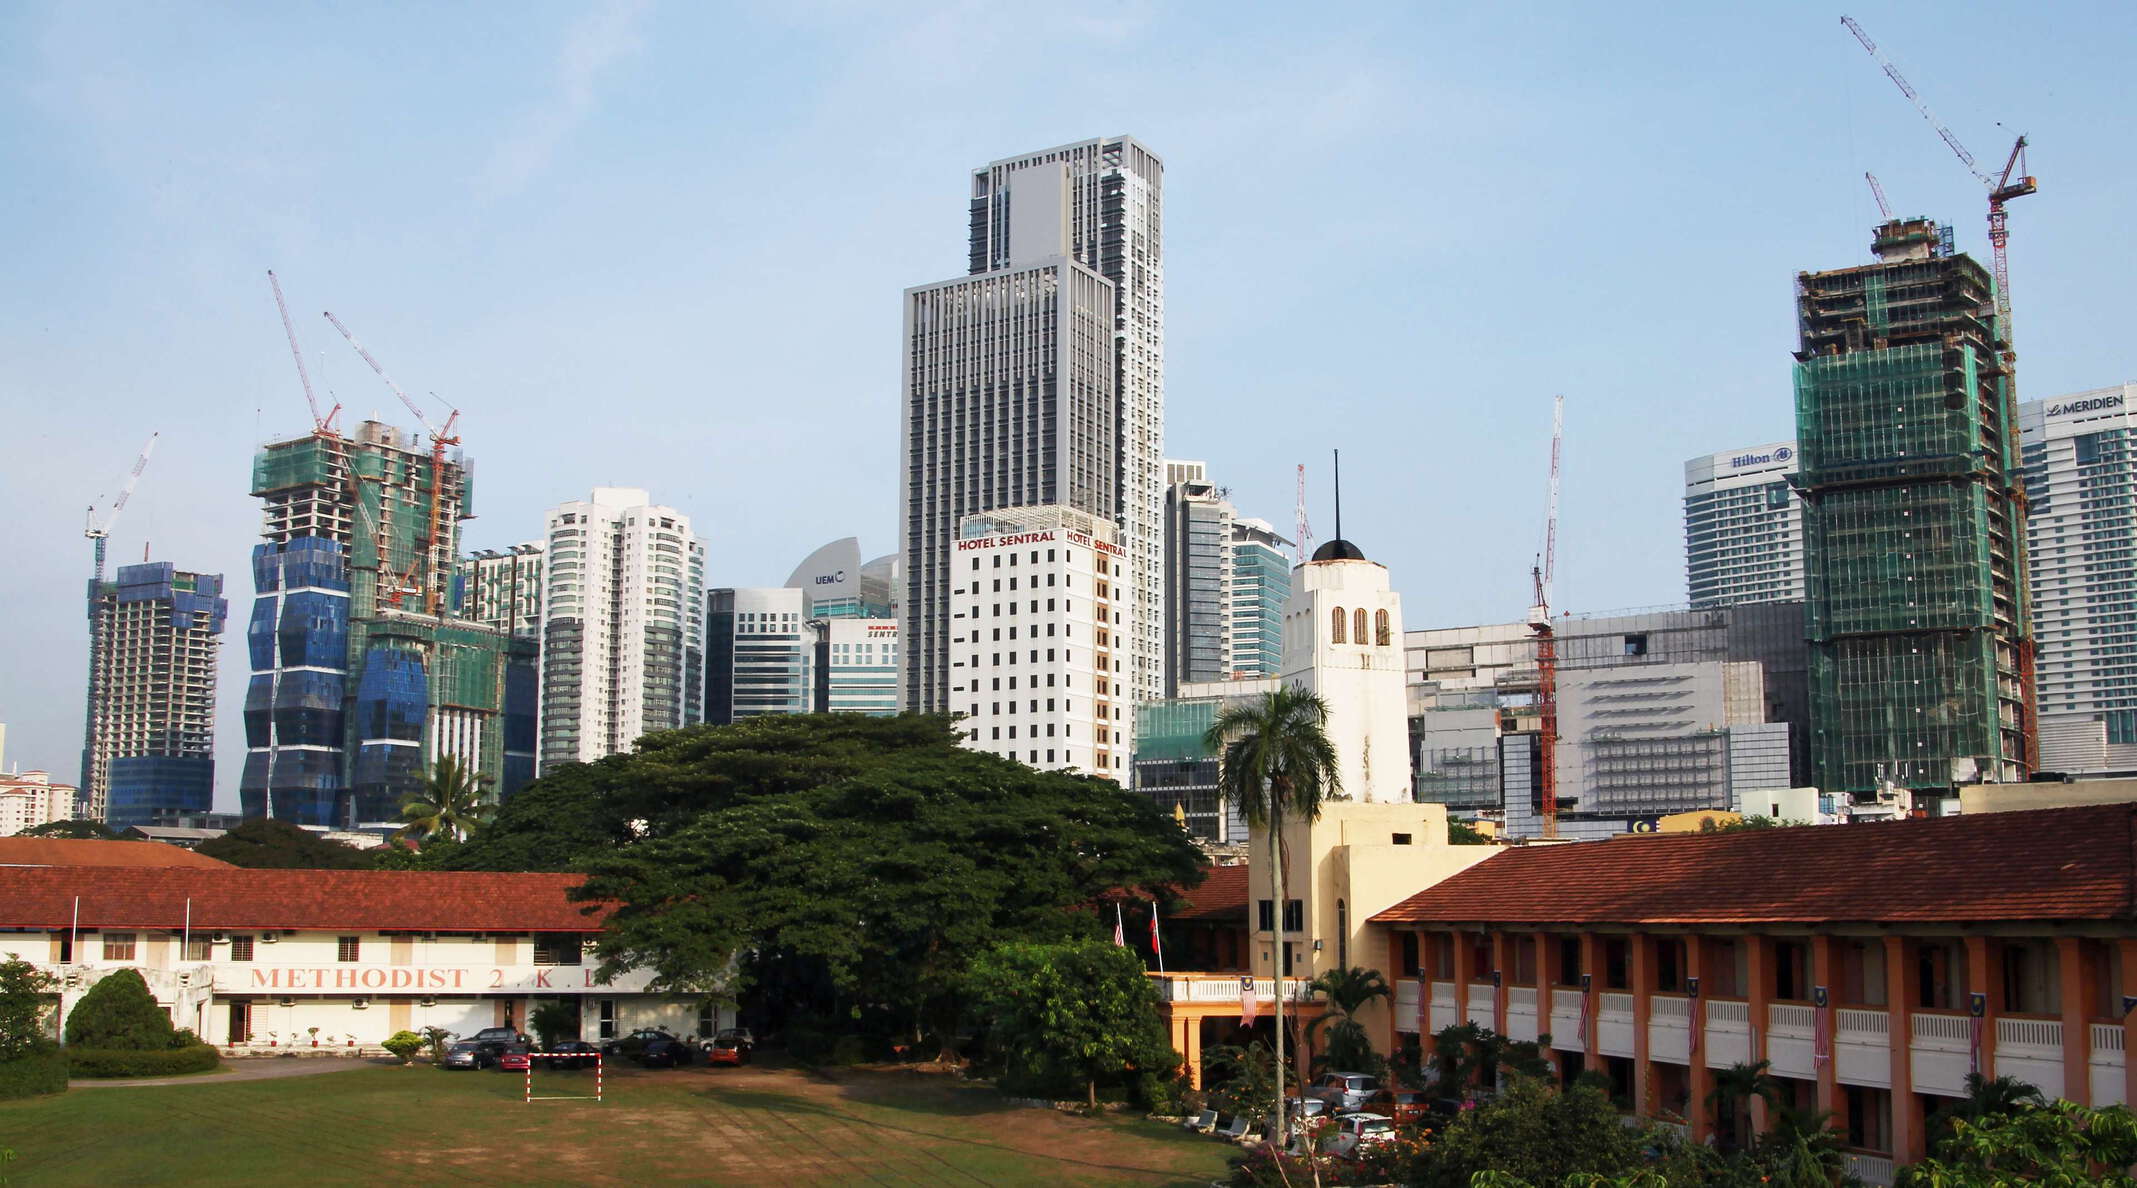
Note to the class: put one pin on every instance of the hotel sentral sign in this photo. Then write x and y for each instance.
(424, 979)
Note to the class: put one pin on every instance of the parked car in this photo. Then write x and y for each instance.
(630, 1045)
(514, 1058)
(1345, 1090)
(729, 1047)
(1307, 1107)
(469, 1054)
(1368, 1127)
(569, 1054)
(663, 1053)
(1404, 1105)
(497, 1035)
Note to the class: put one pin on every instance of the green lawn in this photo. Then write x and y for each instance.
(756, 1126)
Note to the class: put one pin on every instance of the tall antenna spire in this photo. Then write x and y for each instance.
(1339, 492)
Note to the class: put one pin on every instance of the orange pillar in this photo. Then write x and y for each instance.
(1396, 976)
(1980, 979)
(1591, 967)
(2126, 954)
(1548, 971)
(1465, 972)
(1758, 965)
(1825, 971)
(1644, 976)
(1506, 953)
(1697, 1115)
(2077, 1022)
(1900, 992)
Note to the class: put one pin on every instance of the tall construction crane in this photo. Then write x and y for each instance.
(1303, 546)
(425, 561)
(2013, 182)
(1546, 638)
(321, 425)
(98, 530)
(1878, 192)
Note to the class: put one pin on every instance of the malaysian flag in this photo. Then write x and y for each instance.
(1248, 1004)
(1821, 1035)
(1582, 1036)
(1424, 1006)
(1973, 1044)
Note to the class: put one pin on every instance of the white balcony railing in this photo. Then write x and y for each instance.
(1669, 1010)
(1857, 1026)
(1521, 998)
(1226, 988)
(1726, 1015)
(1943, 1033)
(1482, 1010)
(2106, 1037)
(1615, 1005)
(1783, 1018)
(2110, 1085)
(2043, 1034)
(1875, 1170)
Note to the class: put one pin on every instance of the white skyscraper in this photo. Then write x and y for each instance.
(2080, 472)
(1743, 527)
(623, 625)
(1343, 641)
(1039, 379)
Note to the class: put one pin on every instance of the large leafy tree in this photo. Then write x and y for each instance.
(1079, 1011)
(832, 866)
(451, 805)
(25, 1000)
(1537, 1134)
(76, 830)
(270, 844)
(2057, 1143)
(1275, 764)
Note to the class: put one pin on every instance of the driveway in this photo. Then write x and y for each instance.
(257, 1068)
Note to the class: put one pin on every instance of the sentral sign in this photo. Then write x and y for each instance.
(2089, 404)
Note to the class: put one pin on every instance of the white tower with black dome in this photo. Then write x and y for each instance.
(1343, 641)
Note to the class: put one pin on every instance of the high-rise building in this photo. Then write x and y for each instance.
(151, 734)
(1261, 585)
(2080, 468)
(502, 588)
(1040, 618)
(1039, 379)
(623, 625)
(760, 656)
(31, 798)
(1198, 578)
(1743, 527)
(857, 666)
(362, 674)
(1915, 573)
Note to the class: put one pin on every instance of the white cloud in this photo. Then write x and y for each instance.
(606, 36)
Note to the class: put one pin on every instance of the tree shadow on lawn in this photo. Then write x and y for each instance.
(958, 1104)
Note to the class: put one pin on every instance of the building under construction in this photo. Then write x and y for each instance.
(364, 672)
(1921, 648)
(150, 749)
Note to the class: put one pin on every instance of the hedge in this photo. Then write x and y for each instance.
(120, 1062)
(32, 1075)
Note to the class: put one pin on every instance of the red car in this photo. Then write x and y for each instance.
(513, 1059)
(728, 1047)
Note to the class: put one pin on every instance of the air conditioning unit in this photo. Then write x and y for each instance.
(428, 1002)
(359, 1004)
(268, 938)
(289, 1002)
(217, 938)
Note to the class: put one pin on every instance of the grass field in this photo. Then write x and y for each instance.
(728, 1126)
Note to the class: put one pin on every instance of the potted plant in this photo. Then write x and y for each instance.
(314, 1033)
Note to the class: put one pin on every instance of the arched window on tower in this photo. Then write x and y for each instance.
(1360, 634)
(1335, 625)
(1380, 628)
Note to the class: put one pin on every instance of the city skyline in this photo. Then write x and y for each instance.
(166, 323)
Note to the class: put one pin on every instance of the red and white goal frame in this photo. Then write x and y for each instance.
(595, 1096)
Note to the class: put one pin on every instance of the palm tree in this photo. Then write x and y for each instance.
(1274, 762)
(451, 804)
(1986, 1098)
(1348, 991)
(1734, 1087)
(1802, 1150)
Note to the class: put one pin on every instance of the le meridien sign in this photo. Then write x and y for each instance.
(2078, 407)
(427, 979)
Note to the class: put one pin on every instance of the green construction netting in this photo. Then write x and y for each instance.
(1174, 729)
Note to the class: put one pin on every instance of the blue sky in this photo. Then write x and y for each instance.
(662, 245)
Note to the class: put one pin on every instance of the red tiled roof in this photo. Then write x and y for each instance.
(57, 851)
(237, 898)
(2045, 864)
(1221, 896)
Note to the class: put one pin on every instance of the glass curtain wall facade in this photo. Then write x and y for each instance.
(1917, 608)
(151, 734)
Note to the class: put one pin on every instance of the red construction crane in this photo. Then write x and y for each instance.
(1546, 640)
(2014, 182)
(425, 560)
(320, 425)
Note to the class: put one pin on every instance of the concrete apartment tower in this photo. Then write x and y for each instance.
(1914, 528)
(2081, 541)
(1343, 641)
(150, 745)
(623, 625)
(1038, 379)
(1743, 527)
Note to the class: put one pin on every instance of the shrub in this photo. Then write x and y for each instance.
(404, 1044)
(437, 1039)
(554, 1022)
(24, 1003)
(849, 1049)
(43, 1070)
(120, 1013)
(133, 1062)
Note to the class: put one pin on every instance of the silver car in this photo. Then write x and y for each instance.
(1346, 1090)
